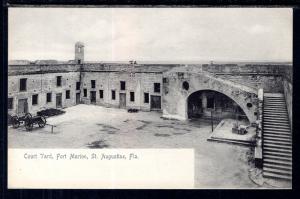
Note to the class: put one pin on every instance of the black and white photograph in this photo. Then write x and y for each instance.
(218, 81)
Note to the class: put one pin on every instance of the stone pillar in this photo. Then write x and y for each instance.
(204, 100)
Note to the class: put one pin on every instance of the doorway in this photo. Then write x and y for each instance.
(58, 100)
(77, 98)
(122, 100)
(155, 102)
(93, 97)
(22, 106)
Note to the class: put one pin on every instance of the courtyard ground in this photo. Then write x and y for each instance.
(217, 165)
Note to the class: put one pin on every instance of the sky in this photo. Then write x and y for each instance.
(151, 34)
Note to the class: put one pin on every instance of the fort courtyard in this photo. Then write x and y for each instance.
(217, 165)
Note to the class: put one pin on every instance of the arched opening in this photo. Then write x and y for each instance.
(210, 103)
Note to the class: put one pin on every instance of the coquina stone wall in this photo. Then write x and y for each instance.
(42, 84)
(175, 96)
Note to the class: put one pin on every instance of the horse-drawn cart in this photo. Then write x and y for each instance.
(28, 120)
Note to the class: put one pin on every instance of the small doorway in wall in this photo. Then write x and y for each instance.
(122, 100)
(77, 98)
(93, 97)
(22, 106)
(58, 100)
(155, 102)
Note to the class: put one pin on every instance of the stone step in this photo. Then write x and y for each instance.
(272, 108)
(282, 104)
(277, 171)
(276, 176)
(274, 101)
(275, 124)
(277, 143)
(273, 95)
(275, 135)
(268, 113)
(284, 154)
(277, 150)
(286, 168)
(279, 126)
(267, 118)
(275, 114)
(276, 129)
(277, 162)
(276, 146)
(277, 139)
(281, 158)
(277, 132)
(275, 110)
(285, 123)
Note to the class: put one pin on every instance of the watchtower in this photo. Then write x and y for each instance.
(79, 52)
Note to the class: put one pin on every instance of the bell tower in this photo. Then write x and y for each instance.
(79, 53)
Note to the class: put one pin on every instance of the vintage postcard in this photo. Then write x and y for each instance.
(151, 98)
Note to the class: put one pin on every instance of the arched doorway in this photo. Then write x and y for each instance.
(203, 103)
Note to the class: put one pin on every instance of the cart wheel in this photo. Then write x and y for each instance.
(42, 122)
(27, 115)
(15, 122)
(28, 125)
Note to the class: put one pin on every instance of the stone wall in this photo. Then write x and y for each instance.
(139, 83)
(269, 83)
(288, 92)
(41, 84)
(271, 69)
(42, 69)
(173, 89)
(140, 79)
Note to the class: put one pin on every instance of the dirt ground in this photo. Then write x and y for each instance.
(217, 165)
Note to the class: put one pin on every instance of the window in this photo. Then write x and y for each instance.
(49, 97)
(79, 61)
(58, 81)
(93, 83)
(113, 95)
(84, 92)
(157, 87)
(10, 103)
(101, 94)
(67, 94)
(132, 96)
(23, 84)
(77, 85)
(210, 102)
(146, 97)
(185, 85)
(123, 85)
(35, 99)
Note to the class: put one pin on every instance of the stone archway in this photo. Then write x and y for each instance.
(179, 86)
(202, 102)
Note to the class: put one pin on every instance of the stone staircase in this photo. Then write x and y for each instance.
(277, 138)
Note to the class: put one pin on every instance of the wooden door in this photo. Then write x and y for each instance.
(22, 106)
(122, 100)
(155, 102)
(58, 100)
(77, 98)
(93, 97)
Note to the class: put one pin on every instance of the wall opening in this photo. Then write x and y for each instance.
(23, 84)
(203, 103)
(122, 85)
